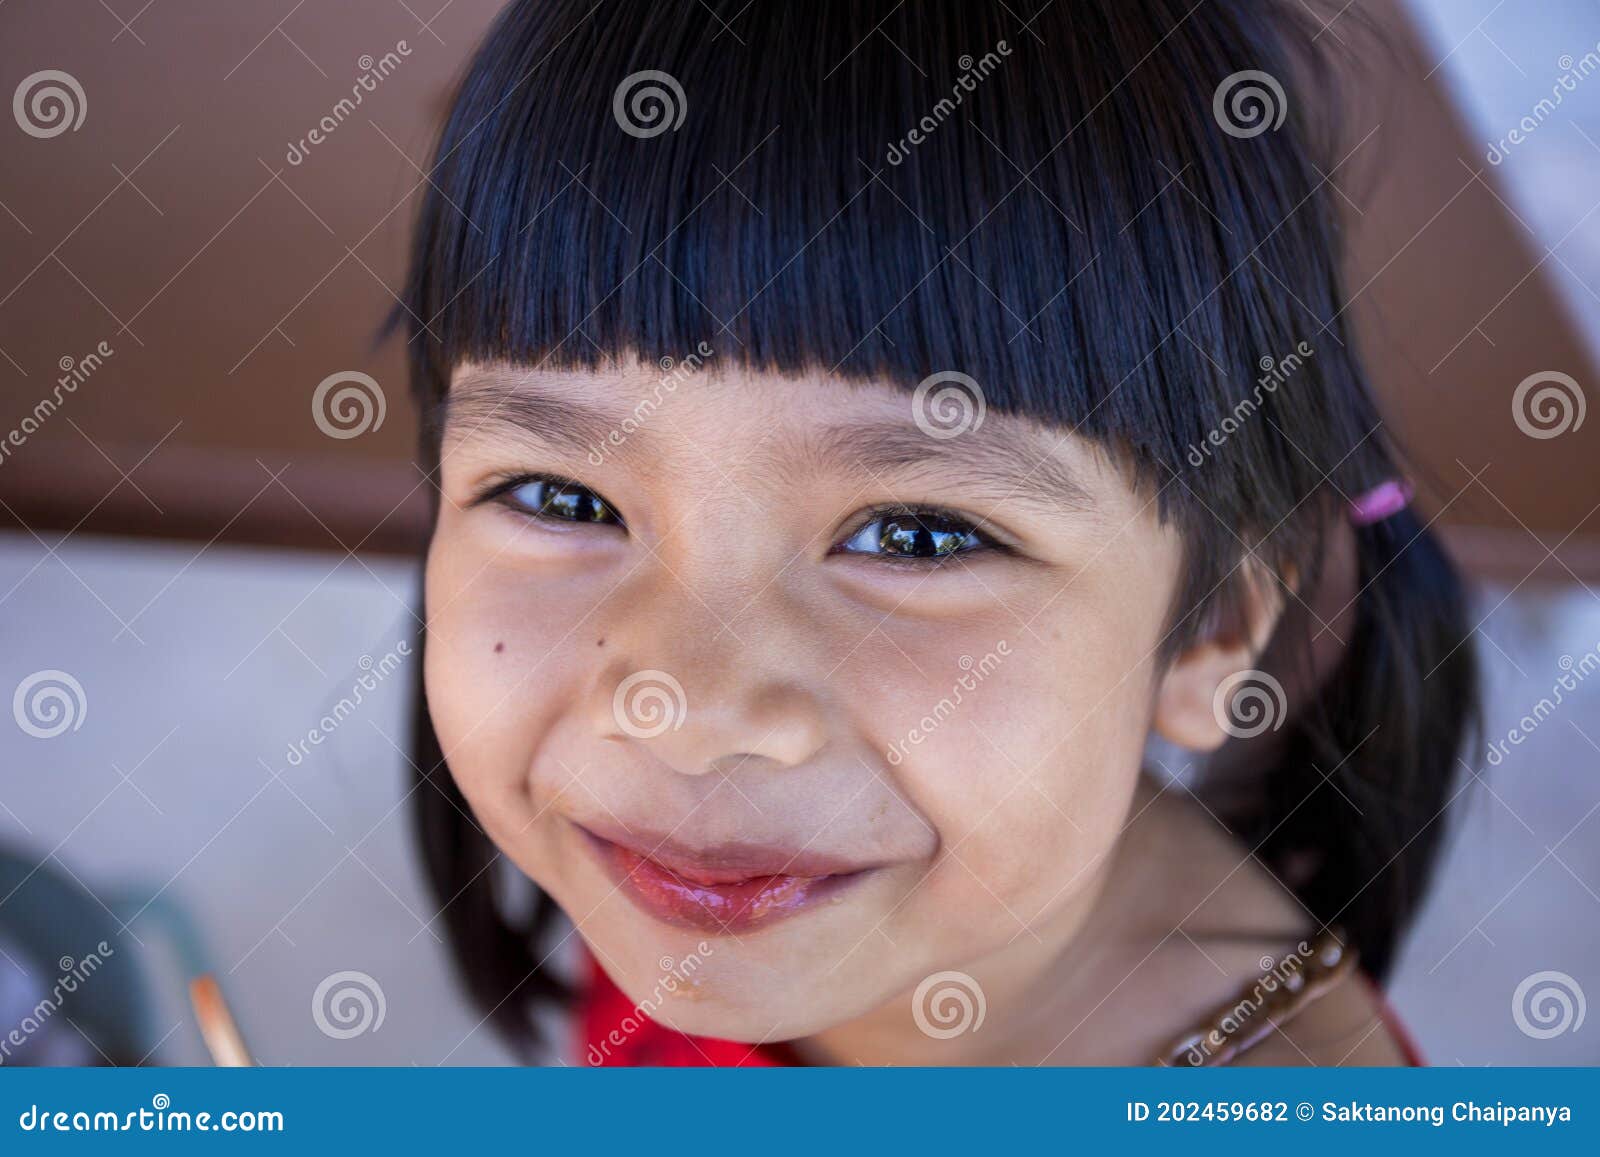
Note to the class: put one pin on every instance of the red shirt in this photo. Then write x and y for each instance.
(615, 1032)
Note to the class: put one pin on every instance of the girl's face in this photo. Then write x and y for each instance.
(789, 692)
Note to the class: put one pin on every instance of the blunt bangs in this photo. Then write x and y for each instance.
(1052, 208)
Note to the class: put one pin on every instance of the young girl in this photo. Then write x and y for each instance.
(859, 429)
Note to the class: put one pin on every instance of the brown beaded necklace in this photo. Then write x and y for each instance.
(1282, 991)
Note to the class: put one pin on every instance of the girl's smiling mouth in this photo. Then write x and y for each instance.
(728, 888)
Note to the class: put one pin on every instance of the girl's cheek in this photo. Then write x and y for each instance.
(1024, 759)
(499, 675)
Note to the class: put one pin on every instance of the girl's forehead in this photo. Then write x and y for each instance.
(727, 381)
(946, 407)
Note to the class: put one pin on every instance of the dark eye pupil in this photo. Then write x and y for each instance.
(922, 536)
(572, 503)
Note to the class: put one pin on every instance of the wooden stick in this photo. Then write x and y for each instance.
(217, 1027)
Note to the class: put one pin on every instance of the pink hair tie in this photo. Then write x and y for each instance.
(1385, 499)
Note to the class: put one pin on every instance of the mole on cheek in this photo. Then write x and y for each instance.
(498, 647)
(600, 642)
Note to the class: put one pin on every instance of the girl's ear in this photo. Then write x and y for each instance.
(1187, 712)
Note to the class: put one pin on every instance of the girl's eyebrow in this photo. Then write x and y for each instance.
(493, 405)
(1009, 458)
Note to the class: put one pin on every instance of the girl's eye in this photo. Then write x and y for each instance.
(915, 534)
(559, 499)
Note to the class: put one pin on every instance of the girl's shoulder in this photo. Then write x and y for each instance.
(1258, 969)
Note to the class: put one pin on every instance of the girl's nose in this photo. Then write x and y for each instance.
(702, 701)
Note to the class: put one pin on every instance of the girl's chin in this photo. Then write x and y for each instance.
(761, 1023)
(731, 991)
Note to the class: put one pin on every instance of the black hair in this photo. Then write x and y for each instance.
(1112, 216)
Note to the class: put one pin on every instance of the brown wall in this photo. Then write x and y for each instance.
(229, 282)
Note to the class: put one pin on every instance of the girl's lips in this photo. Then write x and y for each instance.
(733, 888)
